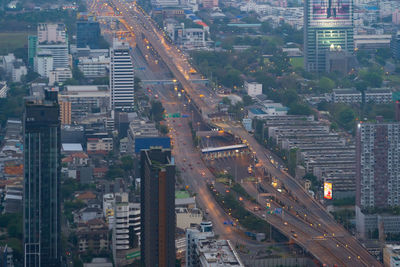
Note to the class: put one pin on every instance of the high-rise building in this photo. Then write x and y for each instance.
(328, 26)
(157, 184)
(32, 46)
(378, 164)
(87, 32)
(42, 170)
(53, 38)
(121, 78)
(395, 45)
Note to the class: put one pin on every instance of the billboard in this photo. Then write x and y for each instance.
(331, 12)
(328, 190)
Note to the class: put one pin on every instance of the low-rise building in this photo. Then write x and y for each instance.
(253, 88)
(367, 223)
(93, 236)
(100, 145)
(93, 67)
(378, 95)
(213, 253)
(347, 96)
(59, 75)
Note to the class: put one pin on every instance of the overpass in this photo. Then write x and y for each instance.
(346, 251)
(224, 151)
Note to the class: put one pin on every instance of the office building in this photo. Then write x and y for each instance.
(93, 67)
(395, 45)
(42, 167)
(121, 78)
(32, 46)
(52, 38)
(378, 164)
(43, 63)
(328, 25)
(157, 208)
(87, 32)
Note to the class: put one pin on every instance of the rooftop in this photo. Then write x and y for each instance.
(218, 253)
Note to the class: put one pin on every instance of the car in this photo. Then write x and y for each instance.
(203, 173)
(285, 223)
(295, 235)
(184, 160)
(256, 208)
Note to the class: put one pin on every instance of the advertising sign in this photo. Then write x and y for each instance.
(330, 12)
(328, 190)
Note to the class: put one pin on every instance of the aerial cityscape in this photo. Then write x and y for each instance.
(199, 133)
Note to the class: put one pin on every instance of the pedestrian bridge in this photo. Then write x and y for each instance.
(224, 151)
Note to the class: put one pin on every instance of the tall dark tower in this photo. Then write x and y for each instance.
(328, 26)
(157, 208)
(42, 167)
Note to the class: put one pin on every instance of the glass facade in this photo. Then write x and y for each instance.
(41, 184)
(323, 32)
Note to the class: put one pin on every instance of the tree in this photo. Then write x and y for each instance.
(163, 129)
(127, 163)
(299, 109)
(346, 118)
(156, 111)
(326, 84)
(247, 100)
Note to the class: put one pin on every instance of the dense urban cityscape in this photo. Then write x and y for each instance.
(199, 133)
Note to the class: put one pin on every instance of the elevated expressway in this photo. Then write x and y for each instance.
(336, 247)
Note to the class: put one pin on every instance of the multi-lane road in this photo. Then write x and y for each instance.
(314, 228)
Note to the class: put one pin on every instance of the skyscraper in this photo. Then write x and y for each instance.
(42, 167)
(157, 208)
(121, 78)
(87, 32)
(378, 165)
(328, 26)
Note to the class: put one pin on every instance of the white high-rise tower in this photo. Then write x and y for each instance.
(121, 78)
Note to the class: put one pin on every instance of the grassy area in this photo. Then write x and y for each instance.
(9, 41)
(297, 62)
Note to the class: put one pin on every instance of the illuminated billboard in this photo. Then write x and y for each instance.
(328, 190)
(331, 12)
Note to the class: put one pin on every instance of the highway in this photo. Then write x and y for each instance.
(340, 249)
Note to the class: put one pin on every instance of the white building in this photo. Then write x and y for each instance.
(253, 88)
(391, 256)
(59, 75)
(43, 63)
(126, 223)
(18, 71)
(3, 89)
(51, 33)
(94, 67)
(193, 236)
(348, 96)
(99, 145)
(121, 78)
(194, 38)
(208, 252)
(378, 96)
(53, 39)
